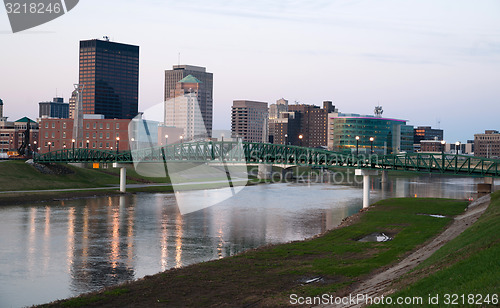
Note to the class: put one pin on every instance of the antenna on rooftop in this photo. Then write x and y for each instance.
(179, 58)
(106, 38)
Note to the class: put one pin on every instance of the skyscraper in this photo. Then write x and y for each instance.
(55, 109)
(182, 111)
(249, 120)
(204, 94)
(110, 73)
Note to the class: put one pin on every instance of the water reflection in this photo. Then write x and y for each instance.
(83, 245)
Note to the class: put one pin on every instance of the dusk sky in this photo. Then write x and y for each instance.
(428, 62)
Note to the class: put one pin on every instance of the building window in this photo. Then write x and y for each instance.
(117, 125)
(64, 134)
(88, 125)
(100, 144)
(46, 134)
(100, 125)
(95, 125)
(46, 124)
(87, 135)
(53, 135)
(64, 124)
(53, 124)
(107, 125)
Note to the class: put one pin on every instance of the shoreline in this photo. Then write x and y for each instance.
(235, 270)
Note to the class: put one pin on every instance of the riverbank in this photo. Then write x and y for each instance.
(329, 263)
(21, 183)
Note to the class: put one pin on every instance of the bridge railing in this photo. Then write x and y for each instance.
(247, 152)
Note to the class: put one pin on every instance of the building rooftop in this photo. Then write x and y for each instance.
(25, 120)
(189, 79)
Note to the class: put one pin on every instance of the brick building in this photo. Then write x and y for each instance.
(98, 133)
(487, 144)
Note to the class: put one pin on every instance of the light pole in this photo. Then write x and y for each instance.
(357, 145)
(371, 144)
(300, 138)
(443, 143)
(166, 140)
(34, 147)
(50, 143)
(457, 145)
(286, 139)
(88, 141)
(117, 144)
(73, 145)
(182, 138)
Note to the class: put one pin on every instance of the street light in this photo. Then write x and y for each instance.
(117, 144)
(166, 140)
(443, 143)
(357, 144)
(300, 138)
(88, 144)
(34, 147)
(73, 144)
(50, 143)
(286, 139)
(371, 144)
(182, 138)
(457, 145)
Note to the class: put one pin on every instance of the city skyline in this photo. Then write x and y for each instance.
(421, 61)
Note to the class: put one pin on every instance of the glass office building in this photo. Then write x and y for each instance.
(110, 73)
(389, 135)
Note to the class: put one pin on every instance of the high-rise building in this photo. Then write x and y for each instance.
(109, 72)
(348, 132)
(205, 89)
(55, 109)
(249, 120)
(313, 123)
(487, 144)
(426, 133)
(182, 109)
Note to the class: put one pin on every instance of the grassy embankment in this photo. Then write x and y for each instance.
(19, 176)
(267, 276)
(469, 264)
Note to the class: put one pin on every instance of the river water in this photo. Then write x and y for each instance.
(63, 248)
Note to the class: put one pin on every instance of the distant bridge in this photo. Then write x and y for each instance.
(278, 154)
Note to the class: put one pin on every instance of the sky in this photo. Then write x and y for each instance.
(433, 63)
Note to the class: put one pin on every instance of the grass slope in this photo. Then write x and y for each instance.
(469, 264)
(17, 175)
(267, 276)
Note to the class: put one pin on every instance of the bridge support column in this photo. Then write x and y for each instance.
(385, 176)
(265, 172)
(286, 173)
(366, 184)
(123, 176)
(123, 179)
(485, 188)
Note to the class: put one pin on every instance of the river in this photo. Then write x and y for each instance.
(58, 249)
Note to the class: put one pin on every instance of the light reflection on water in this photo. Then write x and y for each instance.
(60, 249)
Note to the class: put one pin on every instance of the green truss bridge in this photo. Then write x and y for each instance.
(277, 154)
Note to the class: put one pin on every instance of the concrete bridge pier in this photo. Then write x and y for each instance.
(286, 173)
(366, 173)
(485, 188)
(123, 176)
(265, 172)
(385, 176)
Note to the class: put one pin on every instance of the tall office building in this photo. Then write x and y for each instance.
(426, 133)
(55, 109)
(205, 90)
(249, 121)
(110, 73)
(182, 110)
(313, 123)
